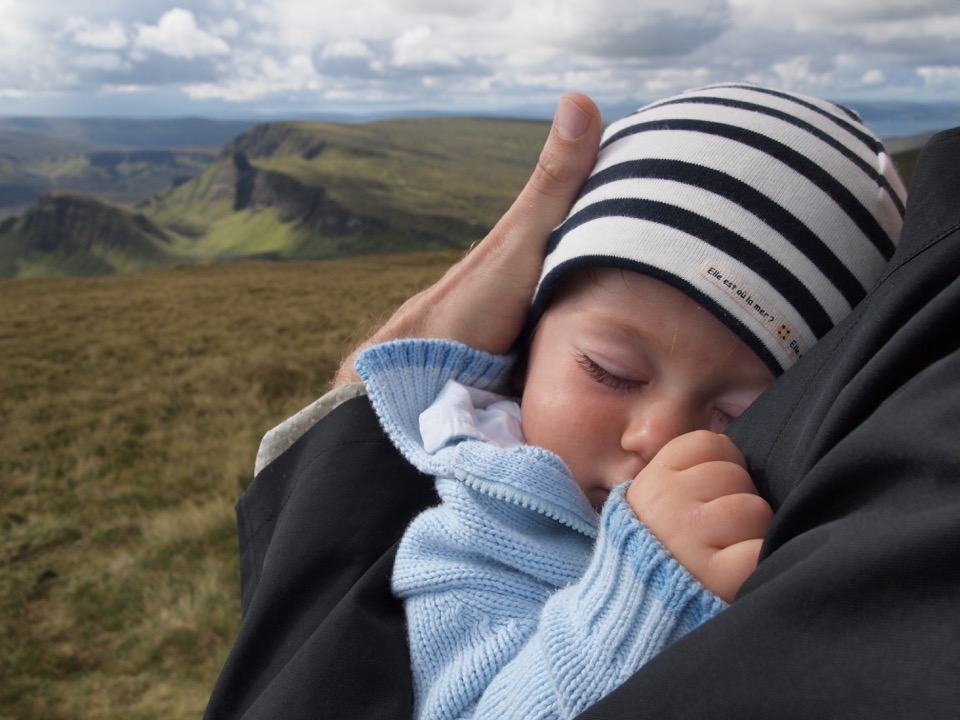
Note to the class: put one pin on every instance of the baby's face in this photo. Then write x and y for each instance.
(622, 363)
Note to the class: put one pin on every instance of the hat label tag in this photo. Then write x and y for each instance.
(756, 305)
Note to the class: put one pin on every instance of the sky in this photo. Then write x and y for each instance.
(286, 58)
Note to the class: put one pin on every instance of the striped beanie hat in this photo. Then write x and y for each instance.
(774, 211)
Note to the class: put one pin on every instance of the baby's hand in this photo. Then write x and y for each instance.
(697, 498)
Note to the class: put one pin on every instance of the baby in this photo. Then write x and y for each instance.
(722, 232)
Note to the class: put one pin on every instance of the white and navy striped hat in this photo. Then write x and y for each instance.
(775, 211)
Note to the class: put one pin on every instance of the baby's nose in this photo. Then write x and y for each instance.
(656, 425)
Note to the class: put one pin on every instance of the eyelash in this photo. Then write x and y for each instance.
(723, 418)
(604, 376)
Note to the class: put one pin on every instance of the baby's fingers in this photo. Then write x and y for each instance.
(712, 480)
(729, 568)
(697, 448)
(732, 519)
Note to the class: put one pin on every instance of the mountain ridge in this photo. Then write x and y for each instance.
(110, 132)
(293, 190)
(69, 233)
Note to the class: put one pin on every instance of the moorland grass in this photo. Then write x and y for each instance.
(131, 407)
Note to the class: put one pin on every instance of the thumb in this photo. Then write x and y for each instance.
(513, 251)
(565, 162)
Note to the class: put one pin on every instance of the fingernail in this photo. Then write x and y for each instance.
(571, 122)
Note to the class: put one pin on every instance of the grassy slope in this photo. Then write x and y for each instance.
(438, 182)
(131, 407)
(476, 165)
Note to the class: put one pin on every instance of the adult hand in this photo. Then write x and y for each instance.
(483, 300)
(697, 498)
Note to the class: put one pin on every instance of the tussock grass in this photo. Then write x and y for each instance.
(131, 407)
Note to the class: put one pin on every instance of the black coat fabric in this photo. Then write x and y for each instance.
(854, 611)
(321, 635)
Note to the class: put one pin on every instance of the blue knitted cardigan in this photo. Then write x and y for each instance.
(521, 602)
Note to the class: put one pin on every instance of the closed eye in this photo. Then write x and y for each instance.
(721, 420)
(604, 376)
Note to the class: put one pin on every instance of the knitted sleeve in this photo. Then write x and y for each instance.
(489, 640)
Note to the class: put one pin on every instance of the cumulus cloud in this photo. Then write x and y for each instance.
(657, 37)
(415, 61)
(260, 76)
(615, 29)
(852, 13)
(106, 36)
(947, 77)
(470, 54)
(102, 62)
(350, 58)
(418, 48)
(915, 33)
(176, 34)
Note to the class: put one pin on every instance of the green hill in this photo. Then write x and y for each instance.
(285, 190)
(115, 159)
(301, 190)
(318, 190)
(69, 234)
(32, 164)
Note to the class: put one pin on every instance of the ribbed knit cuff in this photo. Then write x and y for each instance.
(634, 600)
(404, 377)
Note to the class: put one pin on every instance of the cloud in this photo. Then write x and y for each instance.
(468, 55)
(107, 36)
(176, 34)
(412, 62)
(453, 8)
(947, 77)
(350, 58)
(526, 52)
(853, 13)
(914, 34)
(418, 48)
(259, 75)
(104, 63)
(654, 30)
(29, 61)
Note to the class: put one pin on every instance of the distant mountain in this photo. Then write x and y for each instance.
(115, 175)
(69, 234)
(130, 133)
(121, 161)
(316, 190)
(893, 119)
(115, 159)
(278, 190)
